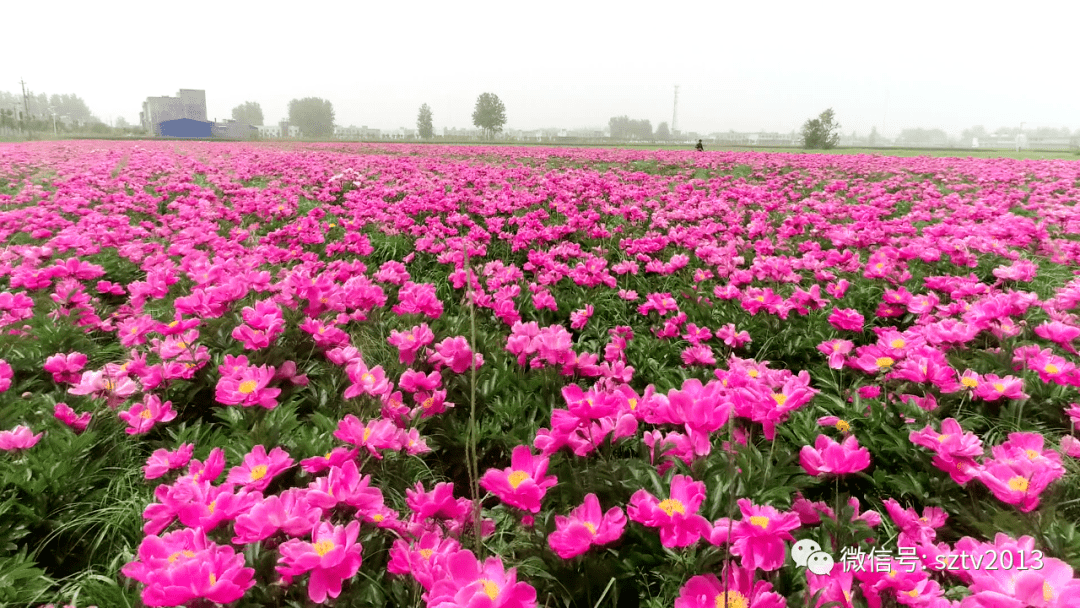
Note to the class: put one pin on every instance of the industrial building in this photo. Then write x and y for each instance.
(188, 103)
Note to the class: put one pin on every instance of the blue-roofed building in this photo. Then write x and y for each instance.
(186, 127)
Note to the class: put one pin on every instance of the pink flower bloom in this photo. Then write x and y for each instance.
(162, 461)
(410, 342)
(846, 319)
(100, 386)
(374, 436)
(828, 457)
(993, 388)
(472, 585)
(18, 438)
(698, 354)
(418, 299)
(579, 318)
(65, 414)
(333, 458)
(522, 485)
(184, 566)
(412, 381)
(366, 381)
(259, 468)
(740, 591)
(836, 349)
(439, 502)
(1018, 481)
(454, 353)
(676, 516)
(65, 368)
(248, 386)
(955, 450)
(425, 559)
(145, 414)
(332, 556)
(1070, 446)
(759, 537)
(586, 526)
(732, 337)
(289, 512)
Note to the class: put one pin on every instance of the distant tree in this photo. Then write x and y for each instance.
(423, 122)
(313, 116)
(874, 136)
(821, 133)
(121, 123)
(248, 113)
(662, 132)
(622, 127)
(489, 114)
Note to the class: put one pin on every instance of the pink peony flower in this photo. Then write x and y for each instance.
(846, 319)
(676, 516)
(470, 584)
(259, 468)
(586, 526)
(145, 414)
(332, 556)
(247, 386)
(522, 485)
(740, 591)
(18, 438)
(410, 342)
(828, 457)
(759, 537)
(65, 414)
(162, 461)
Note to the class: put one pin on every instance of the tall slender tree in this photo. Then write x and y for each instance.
(423, 122)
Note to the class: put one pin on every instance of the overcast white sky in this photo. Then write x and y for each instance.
(744, 66)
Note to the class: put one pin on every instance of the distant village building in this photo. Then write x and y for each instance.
(233, 129)
(185, 127)
(269, 131)
(188, 103)
(356, 133)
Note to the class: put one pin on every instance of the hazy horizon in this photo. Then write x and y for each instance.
(947, 66)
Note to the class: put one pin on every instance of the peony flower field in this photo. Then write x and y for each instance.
(414, 375)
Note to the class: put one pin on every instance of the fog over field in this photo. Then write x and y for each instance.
(739, 66)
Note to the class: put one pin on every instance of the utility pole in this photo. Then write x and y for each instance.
(675, 113)
(26, 107)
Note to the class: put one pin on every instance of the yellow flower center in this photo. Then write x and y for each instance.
(323, 547)
(999, 387)
(633, 404)
(843, 426)
(213, 579)
(897, 343)
(969, 382)
(752, 373)
(913, 593)
(179, 554)
(109, 384)
(591, 528)
(181, 344)
(212, 506)
(1048, 591)
(883, 362)
(760, 521)
(378, 517)
(760, 298)
(490, 588)
(258, 472)
(247, 387)
(430, 401)
(942, 438)
(173, 323)
(426, 553)
(1051, 368)
(1019, 484)
(367, 433)
(367, 378)
(134, 330)
(779, 398)
(1032, 454)
(516, 477)
(328, 455)
(732, 599)
(145, 414)
(672, 506)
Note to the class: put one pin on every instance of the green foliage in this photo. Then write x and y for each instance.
(821, 133)
(313, 115)
(423, 122)
(489, 113)
(250, 113)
